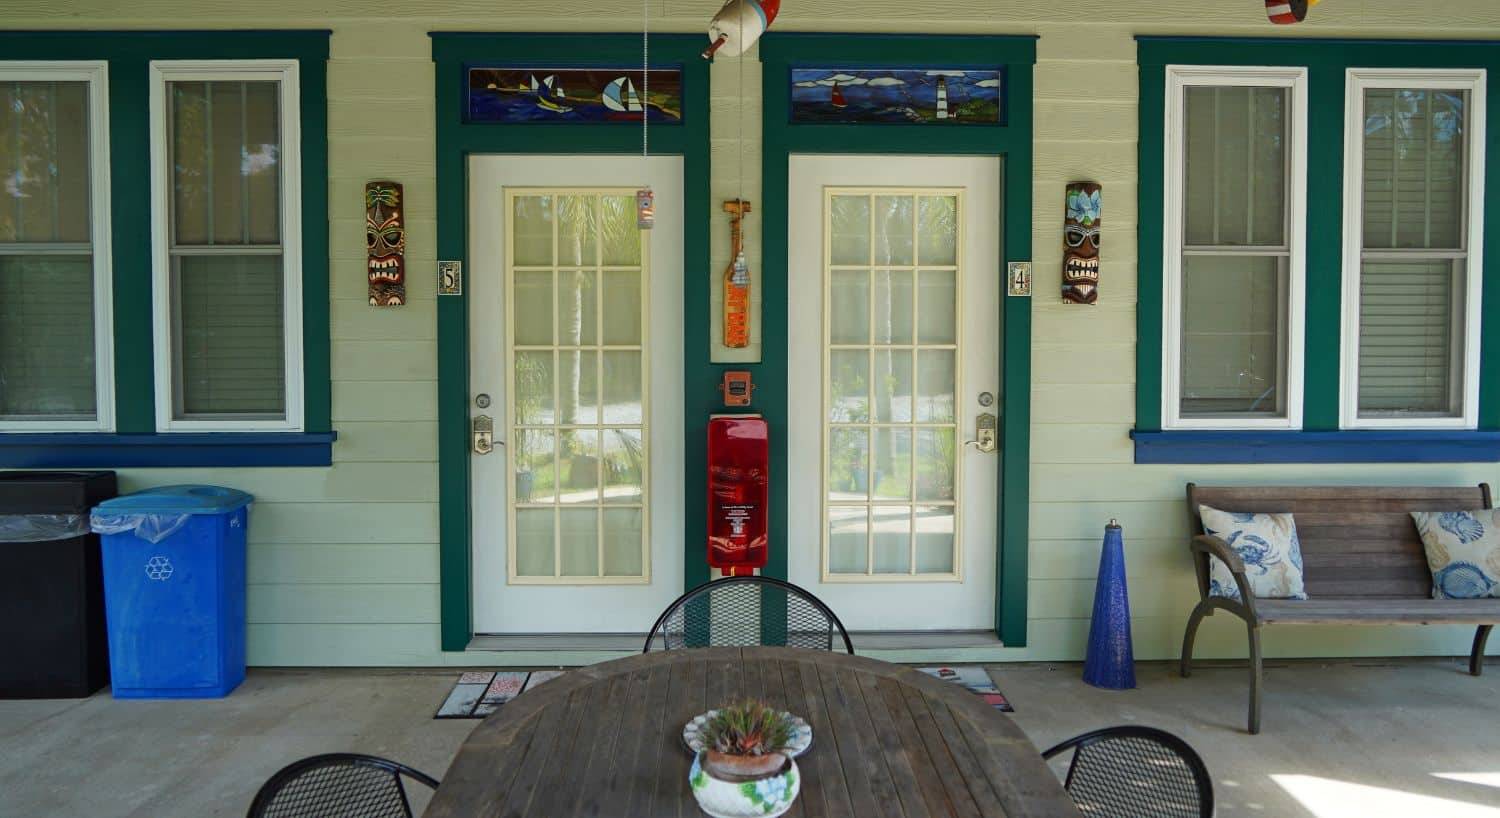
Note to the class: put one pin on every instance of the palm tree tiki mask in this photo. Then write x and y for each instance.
(1080, 277)
(385, 240)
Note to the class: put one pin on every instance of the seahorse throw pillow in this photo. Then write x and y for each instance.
(1268, 545)
(1463, 551)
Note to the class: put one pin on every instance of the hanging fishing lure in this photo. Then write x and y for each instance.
(738, 25)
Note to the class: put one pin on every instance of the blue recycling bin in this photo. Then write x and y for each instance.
(174, 591)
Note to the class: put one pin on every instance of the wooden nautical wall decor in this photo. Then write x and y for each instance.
(897, 96)
(1080, 278)
(385, 243)
(521, 95)
(1287, 12)
(737, 279)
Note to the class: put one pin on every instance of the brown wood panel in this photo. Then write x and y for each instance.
(1374, 610)
(606, 741)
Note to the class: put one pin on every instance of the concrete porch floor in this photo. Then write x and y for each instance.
(1373, 739)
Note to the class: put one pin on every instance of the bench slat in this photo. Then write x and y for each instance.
(1378, 611)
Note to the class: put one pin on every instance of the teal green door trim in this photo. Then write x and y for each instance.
(129, 54)
(1011, 141)
(457, 140)
(1327, 61)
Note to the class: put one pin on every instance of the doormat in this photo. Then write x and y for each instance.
(478, 693)
(977, 680)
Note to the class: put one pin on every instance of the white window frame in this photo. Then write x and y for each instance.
(1357, 80)
(1179, 79)
(96, 74)
(286, 73)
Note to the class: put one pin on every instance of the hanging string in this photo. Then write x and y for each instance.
(646, 78)
(740, 188)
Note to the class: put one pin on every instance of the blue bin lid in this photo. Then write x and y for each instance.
(178, 500)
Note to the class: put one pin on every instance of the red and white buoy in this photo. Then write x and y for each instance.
(738, 25)
(1286, 12)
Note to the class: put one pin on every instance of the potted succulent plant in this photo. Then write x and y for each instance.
(743, 769)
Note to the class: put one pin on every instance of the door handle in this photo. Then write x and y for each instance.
(985, 427)
(483, 428)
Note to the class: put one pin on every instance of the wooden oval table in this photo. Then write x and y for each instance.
(606, 740)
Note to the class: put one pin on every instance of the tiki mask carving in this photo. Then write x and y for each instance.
(385, 239)
(1081, 244)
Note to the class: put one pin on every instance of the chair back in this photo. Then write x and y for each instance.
(338, 785)
(1126, 772)
(746, 611)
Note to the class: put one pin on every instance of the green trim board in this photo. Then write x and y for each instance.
(129, 54)
(1012, 141)
(457, 139)
(1327, 61)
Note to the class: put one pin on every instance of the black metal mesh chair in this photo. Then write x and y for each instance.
(745, 611)
(338, 785)
(1131, 772)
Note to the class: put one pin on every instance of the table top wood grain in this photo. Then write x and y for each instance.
(606, 740)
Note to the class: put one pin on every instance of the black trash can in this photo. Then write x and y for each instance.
(53, 644)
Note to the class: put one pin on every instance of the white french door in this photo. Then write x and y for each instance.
(893, 315)
(576, 364)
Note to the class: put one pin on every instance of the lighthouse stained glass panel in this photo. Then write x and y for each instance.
(916, 96)
(536, 94)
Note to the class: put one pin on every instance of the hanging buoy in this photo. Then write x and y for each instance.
(645, 208)
(738, 25)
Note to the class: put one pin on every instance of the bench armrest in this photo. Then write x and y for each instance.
(1205, 546)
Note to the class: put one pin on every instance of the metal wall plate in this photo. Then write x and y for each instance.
(1018, 274)
(450, 278)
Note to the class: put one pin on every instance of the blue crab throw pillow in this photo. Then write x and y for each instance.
(1463, 551)
(1268, 545)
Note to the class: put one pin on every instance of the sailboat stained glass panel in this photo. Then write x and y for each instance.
(920, 96)
(594, 95)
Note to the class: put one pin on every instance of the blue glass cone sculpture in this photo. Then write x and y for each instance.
(1111, 661)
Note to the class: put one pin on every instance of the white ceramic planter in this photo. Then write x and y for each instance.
(761, 798)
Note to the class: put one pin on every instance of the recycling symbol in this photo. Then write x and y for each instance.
(159, 568)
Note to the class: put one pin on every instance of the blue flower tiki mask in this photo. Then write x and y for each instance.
(1081, 244)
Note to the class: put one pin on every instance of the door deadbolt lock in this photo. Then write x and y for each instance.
(985, 427)
(483, 427)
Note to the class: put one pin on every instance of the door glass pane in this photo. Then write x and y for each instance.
(849, 307)
(47, 337)
(578, 530)
(623, 531)
(533, 310)
(47, 332)
(1406, 350)
(937, 230)
(531, 226)
(1232, 358)
(849, 387)
(536, 544)
(1236, 166)
(849, 228)
(891, 539)
(933, 533)
(893, 306)
(230, 336)
(1414, 168)
(893, 387)
(624, 465)
(937, 300)
(592, 367)
(891, 458)
(578, 388)
(892, 379)
(893, 232)
(848, 540)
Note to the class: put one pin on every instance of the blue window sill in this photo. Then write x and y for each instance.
(177, 450)
(1353, 446)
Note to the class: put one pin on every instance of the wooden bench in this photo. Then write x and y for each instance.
(1363, 564)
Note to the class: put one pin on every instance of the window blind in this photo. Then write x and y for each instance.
(227, 268)
(1411, 273)
(47, 359)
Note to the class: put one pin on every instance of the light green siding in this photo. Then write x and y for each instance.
(344, 560)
